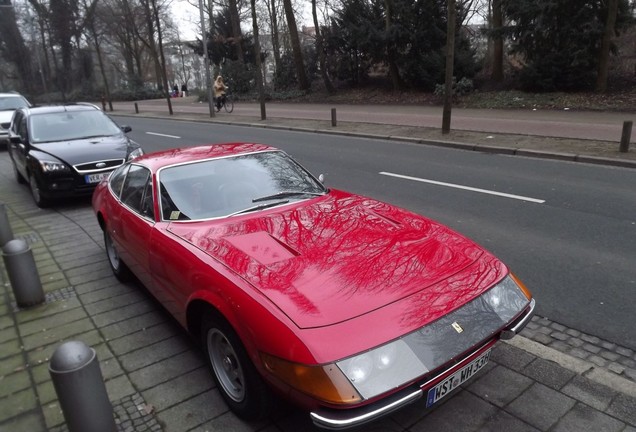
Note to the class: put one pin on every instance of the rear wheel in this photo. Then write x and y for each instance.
(237, 379)
(119, 268)
(40, 201)
(229, 104)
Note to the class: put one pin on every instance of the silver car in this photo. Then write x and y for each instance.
(9, 102)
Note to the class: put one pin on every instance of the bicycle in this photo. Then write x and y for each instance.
(227, 102)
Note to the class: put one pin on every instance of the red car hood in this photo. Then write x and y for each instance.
(333, 258)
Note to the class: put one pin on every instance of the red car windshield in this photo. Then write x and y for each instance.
(226, 186)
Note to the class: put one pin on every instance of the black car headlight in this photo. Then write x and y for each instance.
(49, 166)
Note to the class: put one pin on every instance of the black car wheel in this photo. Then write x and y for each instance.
(119, 268)
(40, 201)
(237, 379)
(18, 176)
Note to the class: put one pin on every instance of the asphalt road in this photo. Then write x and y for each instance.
(567, 230)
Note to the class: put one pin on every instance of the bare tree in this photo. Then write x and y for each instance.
(608, 36)
(303, 82)
(321, 51)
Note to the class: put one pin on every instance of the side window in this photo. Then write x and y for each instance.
(147, 207)
(22, 128)
(134, 187)
(117, 179)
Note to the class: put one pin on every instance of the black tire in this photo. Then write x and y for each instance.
(119, 268)
(40, 201)
(237, 379)
(229, 104)
(18, 176)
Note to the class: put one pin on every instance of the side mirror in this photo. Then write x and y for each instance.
(15, 139)
(126, 128)
(5, 125)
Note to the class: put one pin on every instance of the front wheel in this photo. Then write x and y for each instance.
(237, 379)
(229, 104)
(40, 201)
(119, 268)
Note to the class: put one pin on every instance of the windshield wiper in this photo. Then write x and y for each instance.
(283, 194)
(259, 207)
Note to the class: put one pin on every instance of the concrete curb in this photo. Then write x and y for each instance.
(576, 365)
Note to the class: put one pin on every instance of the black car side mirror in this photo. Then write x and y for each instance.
(5, 125)
(15, 139)
(125, 128)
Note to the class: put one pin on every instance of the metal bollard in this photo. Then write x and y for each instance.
(23, 274)
(5, 227)
(136, 108)
(333, 117)
(626, 136)
(80, 388)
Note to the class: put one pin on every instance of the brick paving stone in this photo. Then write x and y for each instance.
(623, 407)
(558, 327)
(580, 353)
(489, 386)
(463, 412)
(627, 362)
(616, 368)
(597, 360)
(193, 412)
(94, 286)
(548, 373)
(511, 357)
(154, 353)
(180, 388)
(559, 336)
(11, 364)
(103, 293)
(582, 418)
(624, 351)
(8, 334)
(228, 422)
(540, 399)
(105, 271)
(630, 373)
(143, 338)
(71, 311)
(594, 349)
(114, 303)
(590, 339)
(56, 334)
(502, 421)
(122, 314)
(14, 382)
(589, 392)
(165, 370)
(543, 338)
(608, 355)
(132, 325)
(19, 403)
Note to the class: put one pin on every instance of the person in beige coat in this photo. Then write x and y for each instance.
(219, 92)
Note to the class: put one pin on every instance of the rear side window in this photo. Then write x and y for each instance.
(134, 186)
(117, 179)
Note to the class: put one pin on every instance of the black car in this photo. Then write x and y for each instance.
(65, 150)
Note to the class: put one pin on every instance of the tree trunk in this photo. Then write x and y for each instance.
(497, 54)
(259, 68)
(236, 29)
(303, 82)
(273, 15)
(450, 59)
(321, 52)
(394, 71)
(608, 35)
(163, 59)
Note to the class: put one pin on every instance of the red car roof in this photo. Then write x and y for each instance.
(164, 158)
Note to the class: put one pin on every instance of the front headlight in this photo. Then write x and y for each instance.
(135, 154)
(53, 166)
(507, 298)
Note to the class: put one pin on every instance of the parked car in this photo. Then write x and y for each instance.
(348, 306)
(9, 102)
(66, 150)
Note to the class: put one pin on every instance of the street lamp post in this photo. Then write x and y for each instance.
(206, 60)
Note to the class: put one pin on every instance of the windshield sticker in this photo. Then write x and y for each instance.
(174, 215)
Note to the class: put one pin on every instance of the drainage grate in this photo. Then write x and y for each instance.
(132, 414)
(50, 297)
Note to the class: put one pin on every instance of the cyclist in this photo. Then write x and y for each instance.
(219, 92)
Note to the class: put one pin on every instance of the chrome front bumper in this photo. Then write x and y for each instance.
(334, 419)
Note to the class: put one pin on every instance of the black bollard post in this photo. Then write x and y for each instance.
(626, 136)
(5, 227)
(136, 108)
(333, 117)
(23, 274)
(80, 388)
(103, 103)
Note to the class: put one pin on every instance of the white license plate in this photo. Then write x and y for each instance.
(455, 380)
(96, 178)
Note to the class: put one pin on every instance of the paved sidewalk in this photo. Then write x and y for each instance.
(551, 379)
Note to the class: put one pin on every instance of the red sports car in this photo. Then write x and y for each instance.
(347, 306)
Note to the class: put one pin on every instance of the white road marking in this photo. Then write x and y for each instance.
(163, 135)
(518, 197)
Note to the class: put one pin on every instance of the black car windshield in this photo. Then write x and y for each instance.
(12, 103)
(71, 125)
(230, 186)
